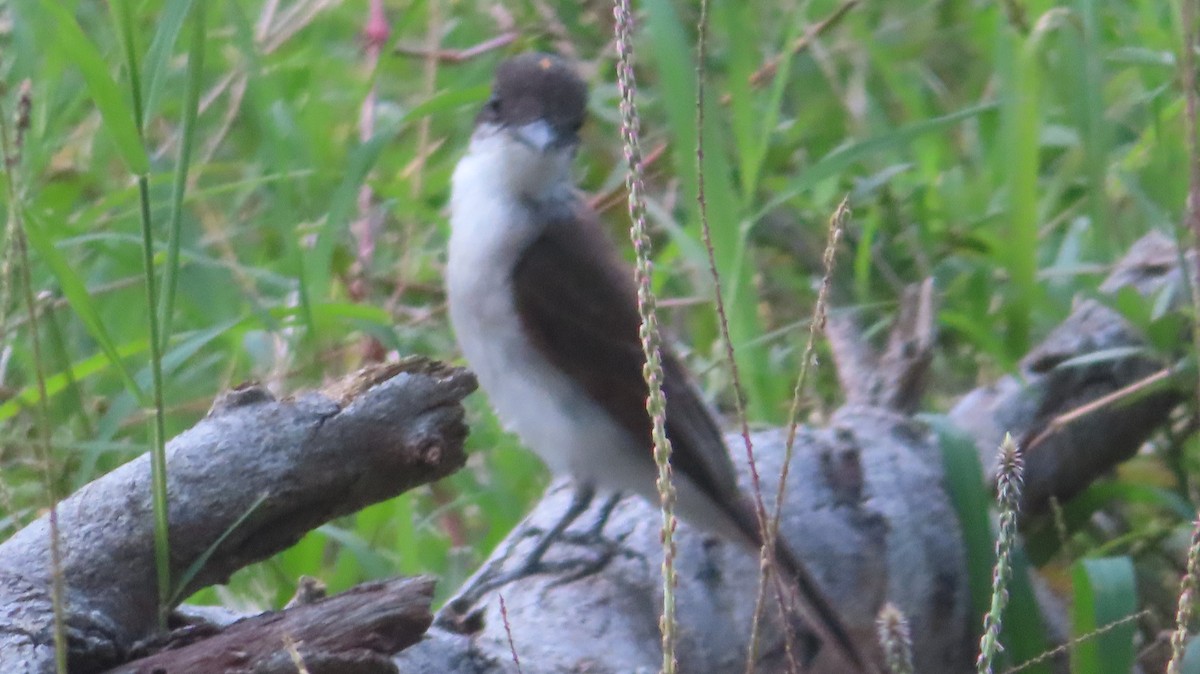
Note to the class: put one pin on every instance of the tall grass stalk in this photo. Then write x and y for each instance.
(895, 638)
(649, 333)
(1188, 588)
(760, 510)
(739, 392)
(187, 139)
(1008, 489)
(1187, 79)
(837, 223)
(12, 163)
(124, 22)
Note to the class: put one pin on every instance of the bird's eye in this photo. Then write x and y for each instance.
(493, 106)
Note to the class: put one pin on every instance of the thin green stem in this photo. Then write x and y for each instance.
(12, 161)
(837, 223)
(1008, 489)
(187, 135)
(158, 456)
(124, 21)
(1187, 599)
(649, 333)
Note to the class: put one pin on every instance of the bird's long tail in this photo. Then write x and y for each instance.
(813, 604)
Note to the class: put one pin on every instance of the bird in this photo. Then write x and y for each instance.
(544, 310)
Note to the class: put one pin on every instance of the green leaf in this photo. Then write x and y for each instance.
(59, 382)
(1105, 592)
(838, 161)
(80, 299)
(318, 263)
(1024, 636)
(118, 117)
(170, 22)
(187, 137)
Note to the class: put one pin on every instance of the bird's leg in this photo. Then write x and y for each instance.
(493, 576)
(594, 533)
(580, 500)
(593, 537)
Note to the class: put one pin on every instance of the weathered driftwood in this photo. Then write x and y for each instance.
(284, 466)
(356, 631)
(1064, 457)
(864, 508)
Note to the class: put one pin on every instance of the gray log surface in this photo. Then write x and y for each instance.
(864, 508)
(309, 460)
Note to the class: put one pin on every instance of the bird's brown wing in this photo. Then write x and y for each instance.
(577, 301)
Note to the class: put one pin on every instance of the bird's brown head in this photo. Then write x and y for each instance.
(539, 98)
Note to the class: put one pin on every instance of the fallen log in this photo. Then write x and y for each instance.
(275, 469)
(864, 509)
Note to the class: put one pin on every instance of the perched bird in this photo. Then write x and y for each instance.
(545, 312)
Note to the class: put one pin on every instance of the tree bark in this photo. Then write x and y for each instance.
(864, 508)
(354, 632)
(275, 469)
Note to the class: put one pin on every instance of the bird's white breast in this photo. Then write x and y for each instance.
(490, 228)
(553, 416)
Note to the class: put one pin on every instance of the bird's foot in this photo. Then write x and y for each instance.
(500, 571)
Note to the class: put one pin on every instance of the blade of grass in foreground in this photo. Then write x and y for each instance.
(170, 23)
(77, 295)
(656, 405)
(765, 393)
(123, 21)
(1105, 592)
(187, 137)
(119, 120)
(1024, 635)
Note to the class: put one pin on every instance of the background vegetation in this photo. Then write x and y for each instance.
(1011, 151)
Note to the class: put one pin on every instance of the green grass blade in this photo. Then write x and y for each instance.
(118, 118)
(58, 383)
(840, 160)
(123, 22)
(76, 293)
(1021, 127)
(187, 137)
(747, 123)
(779, 85)
(194, 568)
(1024, 636)
(170, 23)
(1085, 79)
(1105, 592)
(766, 393)
(318, 262)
